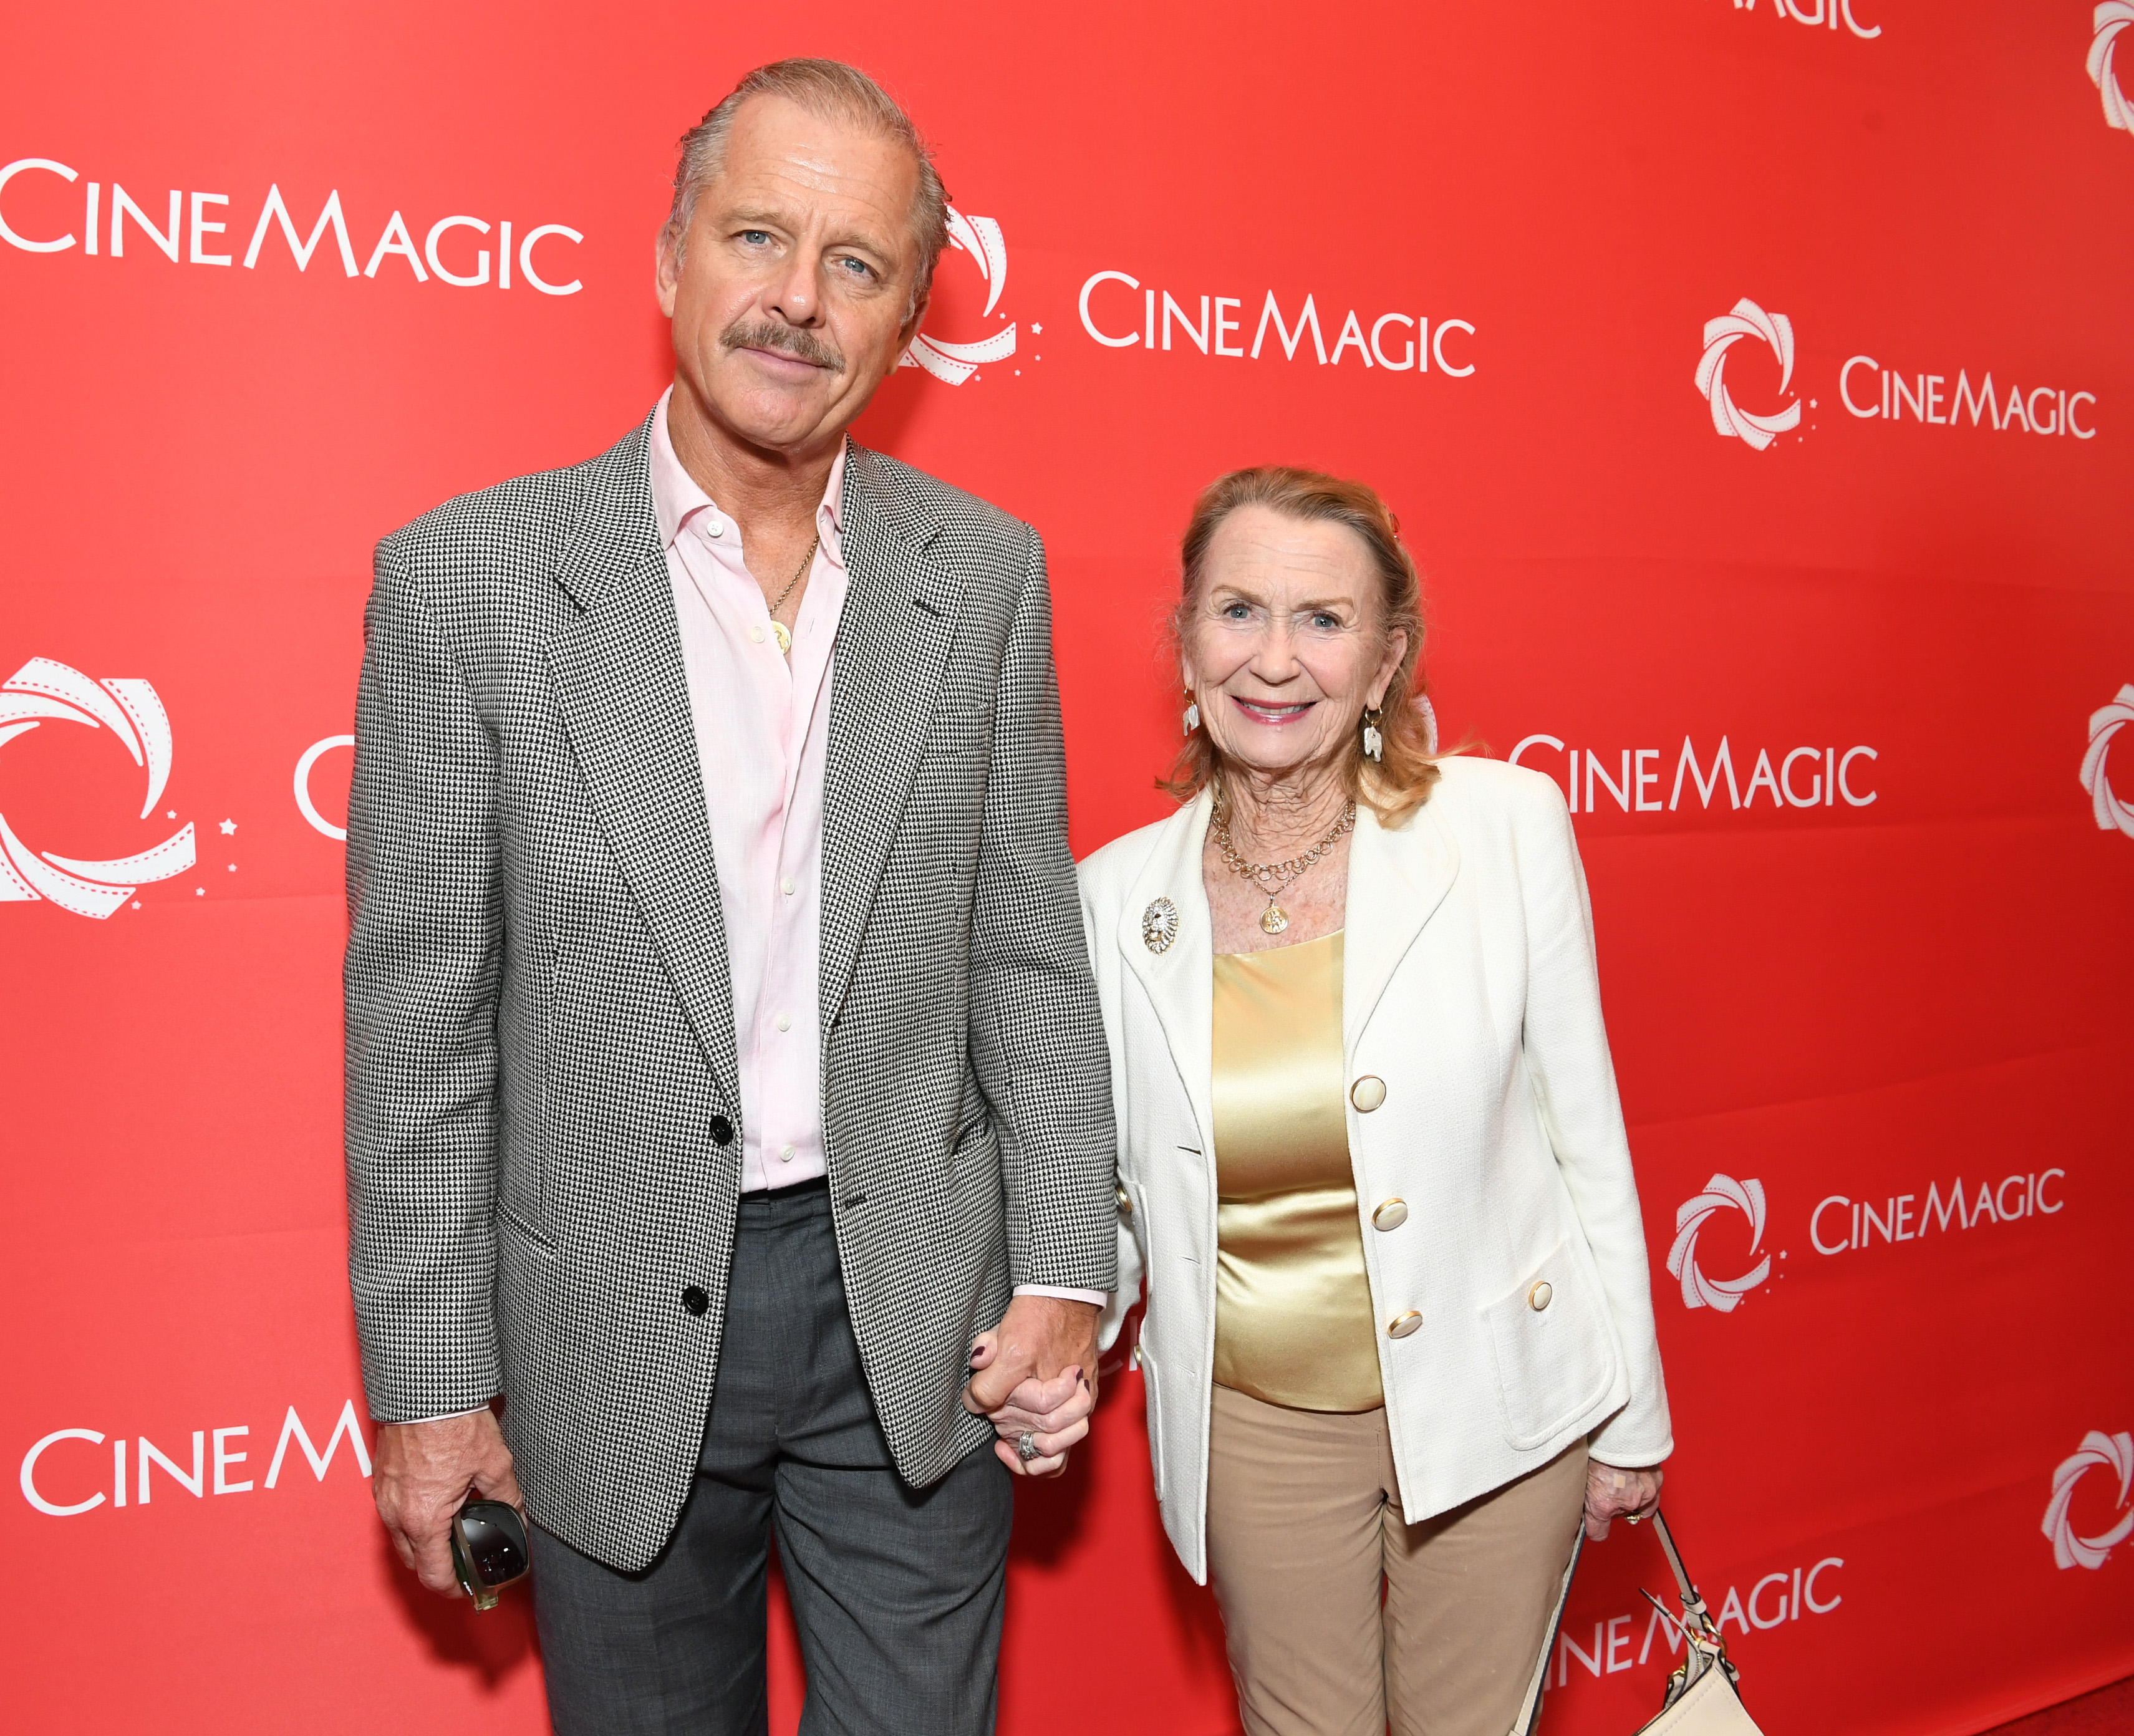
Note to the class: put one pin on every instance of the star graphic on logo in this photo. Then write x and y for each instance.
(1036, 331)
(229, 827)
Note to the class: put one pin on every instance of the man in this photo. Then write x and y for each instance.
(722, 1054)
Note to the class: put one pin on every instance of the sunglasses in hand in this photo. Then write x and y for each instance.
(489, 1550)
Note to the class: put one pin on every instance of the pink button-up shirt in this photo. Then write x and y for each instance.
(761, 719)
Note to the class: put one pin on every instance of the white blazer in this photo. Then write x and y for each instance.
(1470, 992)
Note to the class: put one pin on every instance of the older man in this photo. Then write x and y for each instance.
(723, 1063)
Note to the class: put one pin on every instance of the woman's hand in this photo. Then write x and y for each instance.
(1613, 1494)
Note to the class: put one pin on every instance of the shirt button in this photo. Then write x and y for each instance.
(785, 886)
(1401, 1326)
(786, 1154)
(756, 635)
(783, 1023)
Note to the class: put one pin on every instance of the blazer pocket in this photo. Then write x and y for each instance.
(1153, 1404)
(540, 1244)
(1554, 1349)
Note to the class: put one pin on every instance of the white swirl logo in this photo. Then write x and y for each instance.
(2114, 1453)
(2104, 723)
(44, 692)
(1722, 1193)
(981, 239)
(2108, 20)
(1721, 335)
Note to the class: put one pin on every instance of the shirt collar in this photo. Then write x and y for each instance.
(678, 501)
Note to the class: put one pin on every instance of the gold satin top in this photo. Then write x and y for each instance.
(1293, 1319)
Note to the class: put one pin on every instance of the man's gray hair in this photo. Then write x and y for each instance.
(830, 90)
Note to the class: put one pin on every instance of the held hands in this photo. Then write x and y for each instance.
(1612, 1494)
(423, 1475)
(1036, 1374)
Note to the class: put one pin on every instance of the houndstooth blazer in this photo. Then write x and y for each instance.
(543, 1117)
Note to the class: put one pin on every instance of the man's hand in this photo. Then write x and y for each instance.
(1036, 1373)
(1612, 1494)
(422, 1477)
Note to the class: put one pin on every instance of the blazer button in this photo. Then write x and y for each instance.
(723, 1129)
(694, 1299)
(1401, 1325)
(1390, 1216)
(1126, 1205)
(1368, 1092)
(1537, 1297)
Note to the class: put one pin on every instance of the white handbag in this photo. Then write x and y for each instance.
(1701, 1697)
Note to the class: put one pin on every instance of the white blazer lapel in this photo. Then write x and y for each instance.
(1397, 880)
(1180, 979)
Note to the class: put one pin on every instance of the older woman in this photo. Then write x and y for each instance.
(1399, 1326)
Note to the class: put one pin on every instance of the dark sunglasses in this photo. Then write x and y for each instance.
(489, 1550)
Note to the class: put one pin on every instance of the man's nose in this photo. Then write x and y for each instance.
(796, 291)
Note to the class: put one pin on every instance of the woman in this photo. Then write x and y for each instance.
(1372, 1161)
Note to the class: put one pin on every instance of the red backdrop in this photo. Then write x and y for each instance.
(1701, 456)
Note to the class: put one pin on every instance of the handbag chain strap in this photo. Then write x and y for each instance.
(1705, 1647)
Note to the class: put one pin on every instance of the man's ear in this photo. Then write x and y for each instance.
(909, 330)
(667, 268)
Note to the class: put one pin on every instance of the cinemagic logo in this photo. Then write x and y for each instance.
(1962, 396)
(1121, 312)
(1632, 778)
(68, 1473)
(1831, 14)
(196, 228)
(1842, 1224)
(1778, 1597)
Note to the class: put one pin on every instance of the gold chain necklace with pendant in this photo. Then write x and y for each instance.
(1275, 878)
(778, 628)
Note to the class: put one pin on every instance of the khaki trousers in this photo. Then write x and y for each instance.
(1339, 1615)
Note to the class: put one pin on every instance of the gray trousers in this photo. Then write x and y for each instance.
(897, 1593)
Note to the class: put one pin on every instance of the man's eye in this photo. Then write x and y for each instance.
(856, 268)
(1326, 623)
(1235, 612)
(757, 238)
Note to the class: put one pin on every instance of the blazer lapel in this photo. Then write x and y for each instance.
(900, 609)
(619, 683)
(1180, 981)
(1397, 880)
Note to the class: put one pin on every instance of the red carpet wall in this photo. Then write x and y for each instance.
(1756, 383)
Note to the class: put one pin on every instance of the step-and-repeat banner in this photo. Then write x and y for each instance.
(1754, 379)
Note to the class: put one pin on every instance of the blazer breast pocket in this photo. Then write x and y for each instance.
(1553, 1348)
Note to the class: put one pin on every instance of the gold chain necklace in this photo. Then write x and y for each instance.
(778, 628)
(1274, 878)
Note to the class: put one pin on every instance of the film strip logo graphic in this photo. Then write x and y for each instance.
(1722, 1193)
(2106, 722)
(2109, 19)
(1747, 321)
(2099, 1451)
(43, 692)
(980, 238)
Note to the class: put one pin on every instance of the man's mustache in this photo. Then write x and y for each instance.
(804, 346)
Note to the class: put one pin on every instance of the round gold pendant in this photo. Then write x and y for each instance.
(1274, 919)
(783, 638)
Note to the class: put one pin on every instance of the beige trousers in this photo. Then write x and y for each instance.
(1339, 1615)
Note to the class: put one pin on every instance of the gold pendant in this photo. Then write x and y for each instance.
(783, 638)
(1274, 919)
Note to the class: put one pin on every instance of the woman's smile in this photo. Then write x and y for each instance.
(1273, 711)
